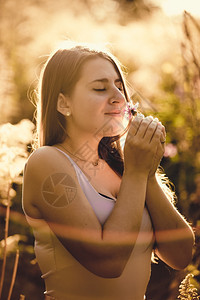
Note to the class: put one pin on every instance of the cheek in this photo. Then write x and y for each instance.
(111, 126)
(88, 118)
(88, 112)
(93, 112)
(89, 104)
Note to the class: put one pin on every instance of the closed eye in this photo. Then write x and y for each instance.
(99, 90)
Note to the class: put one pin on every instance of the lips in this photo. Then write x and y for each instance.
(114, 113)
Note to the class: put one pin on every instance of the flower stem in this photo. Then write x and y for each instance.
(14, 274)
(5, 238)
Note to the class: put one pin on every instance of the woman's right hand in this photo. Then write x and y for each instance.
(141, 144)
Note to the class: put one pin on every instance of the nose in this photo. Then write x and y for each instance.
(117, 97)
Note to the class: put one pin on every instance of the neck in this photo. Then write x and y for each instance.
(84, 148)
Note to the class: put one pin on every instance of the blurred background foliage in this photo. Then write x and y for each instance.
(162, 59)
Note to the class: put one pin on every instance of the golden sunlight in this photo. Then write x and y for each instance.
(177, 7)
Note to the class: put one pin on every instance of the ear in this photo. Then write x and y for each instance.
(63, 105)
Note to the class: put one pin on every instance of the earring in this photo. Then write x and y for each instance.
(68, 113)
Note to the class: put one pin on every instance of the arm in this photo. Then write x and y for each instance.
(103, 251)
(174, 237)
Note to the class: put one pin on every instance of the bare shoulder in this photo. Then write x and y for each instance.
(47, 177)
(46, 159)
(42, 155)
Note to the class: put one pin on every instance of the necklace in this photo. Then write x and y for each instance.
(94, 163)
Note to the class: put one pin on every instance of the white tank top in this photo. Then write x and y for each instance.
(66, 279)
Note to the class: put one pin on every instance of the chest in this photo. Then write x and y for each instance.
(104, 179)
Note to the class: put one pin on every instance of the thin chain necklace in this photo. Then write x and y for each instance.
(94, 163)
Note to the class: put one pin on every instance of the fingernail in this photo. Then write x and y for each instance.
(149, 117)
(139, 115)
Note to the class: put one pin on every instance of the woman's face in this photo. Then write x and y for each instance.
(97, 101)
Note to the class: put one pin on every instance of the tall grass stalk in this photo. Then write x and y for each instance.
(5, 238)
(14, 274)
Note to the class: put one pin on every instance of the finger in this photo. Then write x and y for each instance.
(150, 131)
(152, 119)
(144, 125)
(163, 135)
(156, 137)
(135, 124)
(163, 138)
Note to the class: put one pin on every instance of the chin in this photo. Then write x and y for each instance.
(113, 132)
(111, 128)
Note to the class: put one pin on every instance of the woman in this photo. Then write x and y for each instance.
(97, 212)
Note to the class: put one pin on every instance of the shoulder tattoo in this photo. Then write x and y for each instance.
(59, 190)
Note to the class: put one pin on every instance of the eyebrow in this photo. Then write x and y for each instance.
(105, 80)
